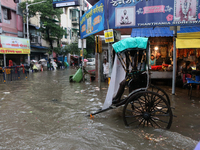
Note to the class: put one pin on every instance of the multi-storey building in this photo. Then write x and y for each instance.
(70, 22)
(11, 25)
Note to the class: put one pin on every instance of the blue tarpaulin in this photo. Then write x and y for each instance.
(161, 31)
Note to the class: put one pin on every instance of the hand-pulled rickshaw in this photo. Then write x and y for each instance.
(146, 105)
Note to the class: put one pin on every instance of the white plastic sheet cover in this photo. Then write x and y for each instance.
(118, 74)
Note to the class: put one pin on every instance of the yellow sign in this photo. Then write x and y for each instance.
(98, 42)
(109, 40)
(81, 53)
(14, 51)
(109, 37)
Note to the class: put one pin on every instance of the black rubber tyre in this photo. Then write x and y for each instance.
(147, 108)
(160, 91)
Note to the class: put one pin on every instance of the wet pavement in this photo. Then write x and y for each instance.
(46, 111)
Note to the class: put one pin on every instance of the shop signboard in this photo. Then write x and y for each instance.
(93, 20)
(109, 37)
(65, 3)
(142, 13)
(14, 45)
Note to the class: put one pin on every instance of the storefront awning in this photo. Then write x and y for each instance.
(188, 40)
(152, 32)
(39, 47)
(187, 37)
(187, 43)
(162, 31)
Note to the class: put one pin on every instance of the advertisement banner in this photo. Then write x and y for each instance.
(14, 51)
(142, 13)
(14, 45)
(65, 3)
(93, 20)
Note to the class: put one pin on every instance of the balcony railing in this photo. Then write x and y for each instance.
(75, 20)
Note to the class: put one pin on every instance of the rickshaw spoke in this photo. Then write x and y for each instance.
(159, 107)
(138, 109)
(142, 100)
(141, 122)
(155, 123)
(141, 106)
(159, 120)
(155, 105)
(159, 110)
(133, 108)
(151, 123)
(144, 123)
(147, 123)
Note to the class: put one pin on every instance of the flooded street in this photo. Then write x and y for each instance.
(46, 111)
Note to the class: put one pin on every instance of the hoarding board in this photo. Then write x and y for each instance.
(142, 13)
(93, 20)
(65, 3)
(14, 45)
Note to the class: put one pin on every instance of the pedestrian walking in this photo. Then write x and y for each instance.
(105, 70)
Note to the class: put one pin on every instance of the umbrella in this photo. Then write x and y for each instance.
(34, 61)
(42, 60)
(85, 60)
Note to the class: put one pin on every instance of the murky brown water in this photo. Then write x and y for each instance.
(48, 112)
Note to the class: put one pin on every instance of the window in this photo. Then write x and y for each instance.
(34, 38)
(74, 14)
(6, 14)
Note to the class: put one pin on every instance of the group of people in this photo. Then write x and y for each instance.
(187, 71)
(51, 64)
(156, 61)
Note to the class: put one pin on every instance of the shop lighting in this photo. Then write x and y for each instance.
(156, 48)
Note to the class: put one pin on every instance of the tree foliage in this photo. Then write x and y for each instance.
(90, 46)
(49, 19)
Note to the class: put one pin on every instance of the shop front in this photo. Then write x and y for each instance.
(161, 57)
(161, 43)
(161, 49)
(15, 49)
(188, 54)
(38, 52)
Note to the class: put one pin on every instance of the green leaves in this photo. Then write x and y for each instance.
(49, 18)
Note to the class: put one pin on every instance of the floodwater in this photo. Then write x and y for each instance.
(46, 111)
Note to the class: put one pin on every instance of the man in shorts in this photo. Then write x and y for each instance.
(105, 70)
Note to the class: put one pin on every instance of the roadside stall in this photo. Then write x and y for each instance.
(188, 54)
(161, 50)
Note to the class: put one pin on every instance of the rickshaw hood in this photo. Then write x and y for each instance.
(137, 42)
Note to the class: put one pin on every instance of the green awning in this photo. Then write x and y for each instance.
(129, 43)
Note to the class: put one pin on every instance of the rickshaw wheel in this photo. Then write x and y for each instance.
(160, 91)
(147, 108)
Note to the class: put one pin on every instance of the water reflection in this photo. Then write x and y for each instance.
(48, 112)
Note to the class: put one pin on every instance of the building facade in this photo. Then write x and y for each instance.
(70, 22)
(11, 24)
